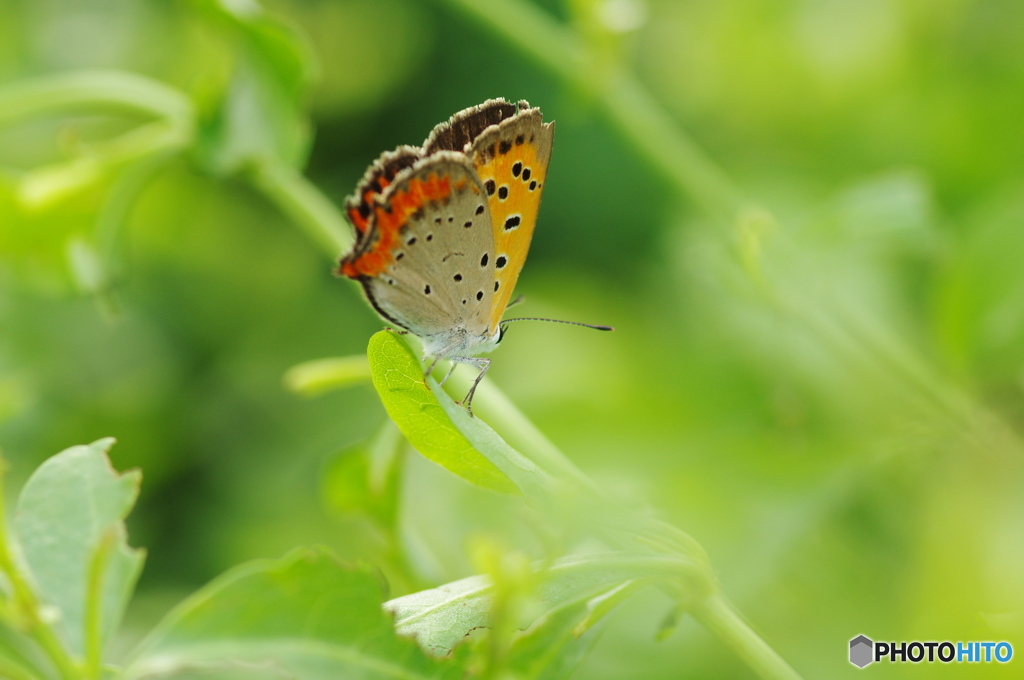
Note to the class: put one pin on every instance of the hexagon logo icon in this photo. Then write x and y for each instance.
(861, 651)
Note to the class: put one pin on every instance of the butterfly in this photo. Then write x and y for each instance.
(443, 230)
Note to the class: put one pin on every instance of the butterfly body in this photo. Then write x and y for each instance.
(443, 230)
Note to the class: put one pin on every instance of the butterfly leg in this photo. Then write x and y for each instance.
(483, 364)
(448, 374)
(443, 354)
(430, 369)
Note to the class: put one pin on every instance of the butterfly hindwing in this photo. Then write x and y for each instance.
(511, 162)
(426, 262)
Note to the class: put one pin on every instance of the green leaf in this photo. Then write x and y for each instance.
(20, 657)
(261, 116)
(304, 616)
(364, 477)
(439, 618)
(440, 429)
(551, 648)
(69, 524)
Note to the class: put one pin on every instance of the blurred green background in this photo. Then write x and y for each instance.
(826, 392)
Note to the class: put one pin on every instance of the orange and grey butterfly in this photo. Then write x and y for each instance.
(442, 231)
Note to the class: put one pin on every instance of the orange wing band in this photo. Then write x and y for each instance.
(388, 223)
(358, 221)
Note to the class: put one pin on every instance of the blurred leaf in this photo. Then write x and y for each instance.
(94, 89)
(426, 421)
(261, 116)
(19, 658)
(69, 525)
(14, 397)
(86, 267)
(981, 295)
(304, 616)
(600, 605)
(323, 375)
(893, 210)
(364, 478)
(43, 187)
(439, 618)
(669, 624)
(552, 647)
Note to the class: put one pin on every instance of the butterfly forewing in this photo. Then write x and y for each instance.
(427, 260)
(511, 162)
(464, 127)
(377, 178)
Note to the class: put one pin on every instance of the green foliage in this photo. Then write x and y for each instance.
(69, 523)
(261, 116)
(365, 478)
(304, 614)
(439, 618)
(803, 218)
(426, 421)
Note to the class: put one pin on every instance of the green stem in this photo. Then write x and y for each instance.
(112, 90)
(11, 671)
(94, 606)
(717, 615)
(52, 183)
(501, 413)
(300, 200)
(25, 603)
(110, 228)
(625, 528)
(629, 107)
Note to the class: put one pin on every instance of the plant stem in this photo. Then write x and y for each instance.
(92, 89)
(625, 528)
(94, 606)
(300, 200)
(519, 431)
(718, 615)
(49, 184)
(629, 107)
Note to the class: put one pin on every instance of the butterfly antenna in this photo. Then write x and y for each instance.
(571, 323)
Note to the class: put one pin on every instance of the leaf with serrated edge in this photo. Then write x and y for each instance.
(305, 615)
(69, 521)
(439, 618)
